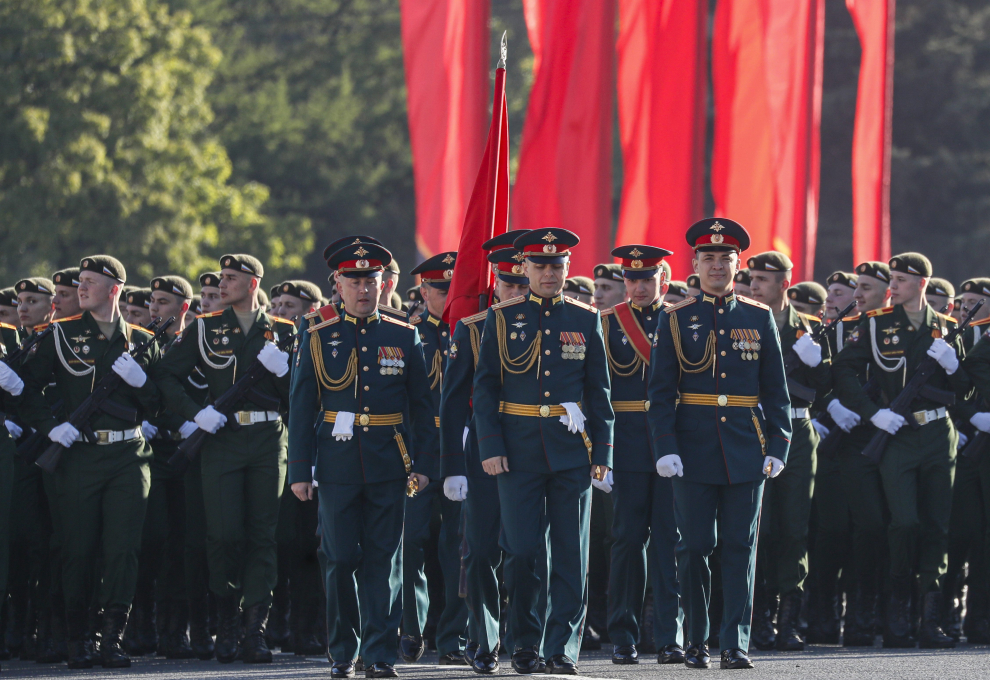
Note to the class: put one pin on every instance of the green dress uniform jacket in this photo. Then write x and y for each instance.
(459, 455)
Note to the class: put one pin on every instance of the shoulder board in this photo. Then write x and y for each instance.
(854, 317)
(511, 301)
(609, 311)
(211, 314)
(312, 315)
(946, 317)
(981, 322)
(880, 312)
(135, 327)
(682, 303)
(752, 302)
(578, 303)
(413, 320)
(393, 310)
(667, 304)
(475, 318)
(40, 327)
(7, 326)
(74, 317)
(324, 324)
(809, 317)
(279, 319)
(397, 322)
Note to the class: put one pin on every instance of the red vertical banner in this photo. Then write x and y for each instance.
(874, 20)
(445, 49)
(661, 89)
(564, 176)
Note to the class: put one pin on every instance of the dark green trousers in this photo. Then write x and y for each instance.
(967, 529)
(55, 541)
(565, 498)
(7, 449)
(362, 542)
(736, 508)
(917, 472)
(29, 574)
(194, 558)
(243, 476)
(832, 546)
(483, 526)
(103, 494)
(862, 488)
(298, 541)
(162, 562)
(783, 556)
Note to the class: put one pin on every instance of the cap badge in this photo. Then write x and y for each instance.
(226, 262)
(85, 263)
(285, 288)
(448, 259)
(23, 286)
(636, 264)
(717, 238)
(361, 264)
(517, 269)
(716, 227)
(448, 273)
(549, 248)
(550, 238)
(361, 252)
(635, 252)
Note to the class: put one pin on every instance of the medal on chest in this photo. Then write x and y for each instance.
(572, 345)
(746, 341)
(390, 360)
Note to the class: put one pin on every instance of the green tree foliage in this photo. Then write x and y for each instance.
(104, 144)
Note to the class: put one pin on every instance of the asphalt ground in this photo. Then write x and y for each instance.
(966, 661)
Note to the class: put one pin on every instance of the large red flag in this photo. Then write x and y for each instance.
(874, 20)
(565, 164)
(661, 87)
(445, 48)
(487, 213)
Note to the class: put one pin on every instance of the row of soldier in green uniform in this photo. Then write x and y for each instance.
(712, 407)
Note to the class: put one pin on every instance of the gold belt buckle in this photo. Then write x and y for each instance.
(921, 417)
(364, 419)
(243, 417)
(646, 406)
(723, 400)
(103, 437)
(544, 411)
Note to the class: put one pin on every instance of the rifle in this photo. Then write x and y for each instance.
(99, 400)
(16, 358)
(792, 361)
(916, 387)
(243, 389)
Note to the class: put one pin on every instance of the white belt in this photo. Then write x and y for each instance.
(925, 417)
(798, 413)
(105, 437)
(252, 417)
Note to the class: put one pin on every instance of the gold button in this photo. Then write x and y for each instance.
(721, 331)
(546, 372)
(363, 331)
(723, 352)
(546, 394)
(443, 333)
(364, 419)
(546, 313)
(365, 429)
(366, 368)
(723, 375)
(649, 318)
(445, 352)
(721, 311)
(547, 331)
(723, 419)
(650, 335)
(548, 352)
(646, 406)
(366, 409)
(366, 388)
(723, 400)
(364, 349)
(544, 411)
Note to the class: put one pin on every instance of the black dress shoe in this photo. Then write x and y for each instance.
(697, 656)
(453, 659)
(526, 660)
(380, 670)
(411, 648)
(561, 664)
(671, 654)
(486, 663)
(735, 658)
(470, 650)
(622, 654)
(342, 669)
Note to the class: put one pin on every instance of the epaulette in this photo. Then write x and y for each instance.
(511, 301)
(682, 303)
(474, 318)
(981, 322)
(135, 327)
(74, 317)
(7, 326)
(754, 303)
(40, 327)
(397, 322)
(609, 311)
(808, 317)
(852, 318)
(667, 305)
(393, 310)
(209, 314)
(413, 320)
(279, 319)
(880, 312)
(315, 313)
(578, 303)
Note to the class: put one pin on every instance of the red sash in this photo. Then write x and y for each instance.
(630, 326)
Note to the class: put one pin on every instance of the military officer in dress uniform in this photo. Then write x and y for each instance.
(644, 502)
(919, 461)
(66, 292)
(544, 420)
(102, 485)
(782, 564)
(243, 470)
(11, 388)
(355, 375)
(728, 430)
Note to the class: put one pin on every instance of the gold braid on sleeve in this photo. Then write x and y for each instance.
(621, 370)
(707, 360)
(436, 370)
(324, 379)
(524, 360)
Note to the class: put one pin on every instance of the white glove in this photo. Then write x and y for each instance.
(604, 484)
(819, 428)
(963, 439)
(343, 426)
(464, 437)
(887, 420)
(129, 370)
(187, 429)
(808, 351)
(981, 421)
(670, 465)
(149, 430)
(772, 466)
(274, 359)
(10, 381)
(574, 420)
(64, 434)
(14, 429)
(210, 419)
(455, 488)
(843, 417)
(944, 354)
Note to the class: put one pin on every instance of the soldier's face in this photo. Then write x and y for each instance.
(96, 289)
(768, 287)
(839, 297)
(969, 301)
(275, 306)
(237, 288)
(435, 299)
(360, 295)
(166, 305)
(388, 285)
(608, 293)
(66, 301)
(546, 280)
(292, 307)
(870, 293)
(9, 315)
(139, 315)
(209, 300)
(716, 269)
(940, 303)
(33, 309)
(644, 292)
(906, 289)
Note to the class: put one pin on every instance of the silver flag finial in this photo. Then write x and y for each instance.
(504, 50)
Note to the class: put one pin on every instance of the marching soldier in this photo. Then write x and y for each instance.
(722, 355)
(693, 285)
(66, 292)
(243, 470)
(677, 291)
(782, 565)
(544, 420)
(941, 294)
(11, 388)
(808, 297)
(8, 307)
(917, 467)
(741, 285)
(209, 293)
(275, 297)
(609, 288)
(355, 375)
(102, 484)
(581, 288)
(644, 502)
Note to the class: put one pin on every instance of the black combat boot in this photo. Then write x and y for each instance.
(255, 621)
(975, 627)
(788, 637)
(930, 633)
(305, 641)
(132, 636)
(176, 634)
(228, 627)
(764, 635)
(80, 647)
(112, 643)
(861, 616)
(58, 629)
(897, 628)
(199, 629)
